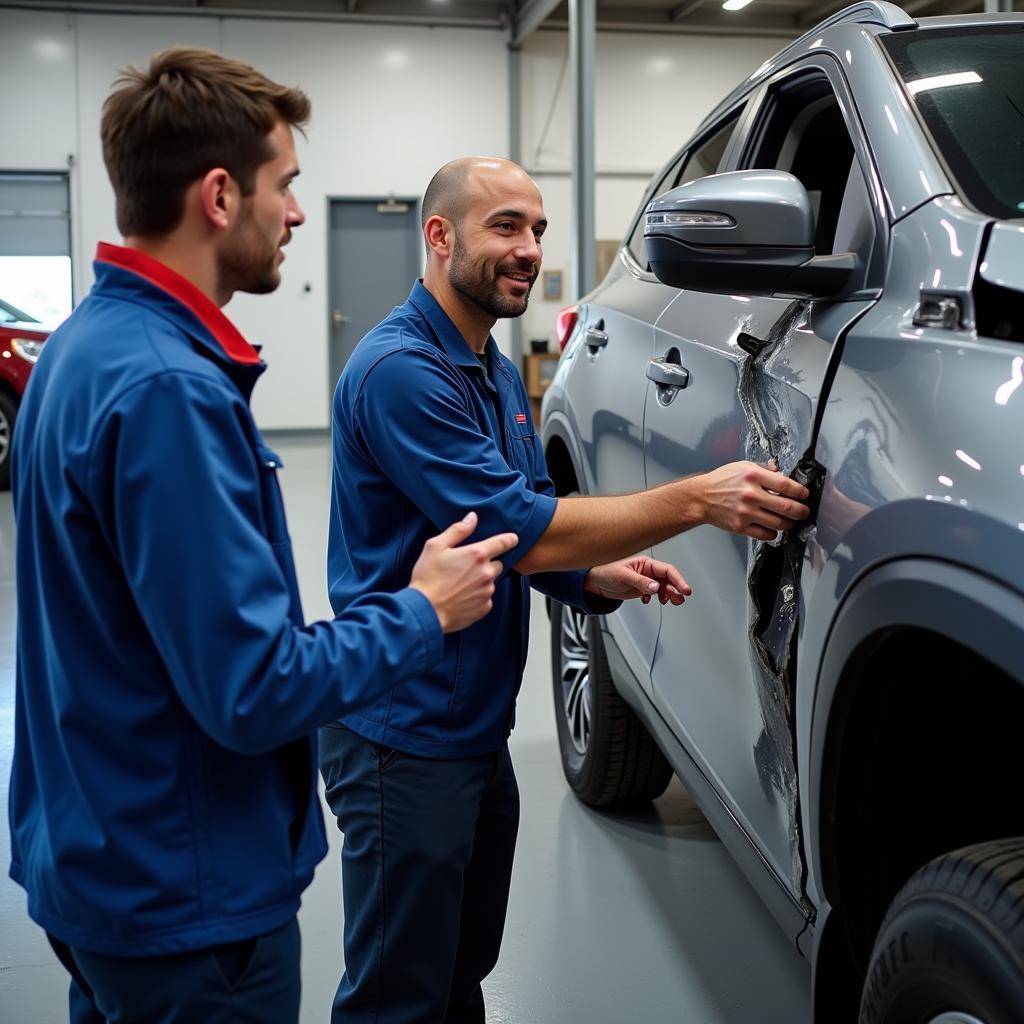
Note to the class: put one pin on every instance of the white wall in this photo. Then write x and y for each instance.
(650, 93)
(390, 105)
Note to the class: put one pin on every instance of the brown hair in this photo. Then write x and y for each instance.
(192, 110)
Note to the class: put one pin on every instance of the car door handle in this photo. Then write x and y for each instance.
(595, 338)
(668, 375)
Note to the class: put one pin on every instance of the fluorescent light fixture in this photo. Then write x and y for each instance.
(735, 5)
(943, 81)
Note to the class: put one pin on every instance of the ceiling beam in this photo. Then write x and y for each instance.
(530, 17)
(350, 5)
(685, 9)
(432, 20)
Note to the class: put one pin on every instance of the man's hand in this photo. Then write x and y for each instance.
(459, 581)
(638, 576)
(752, 500)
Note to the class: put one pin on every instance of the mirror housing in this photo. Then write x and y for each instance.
(742, 233)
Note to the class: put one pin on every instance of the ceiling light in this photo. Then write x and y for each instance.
(735, 5)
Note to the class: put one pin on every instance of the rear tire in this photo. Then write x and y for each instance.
(608, 757)
(951, 949)
(8, 414)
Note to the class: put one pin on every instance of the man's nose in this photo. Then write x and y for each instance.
(528, 248)
(294, 216)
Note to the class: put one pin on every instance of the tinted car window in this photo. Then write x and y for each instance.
(969, 90)
(695, 163)
(802, 131)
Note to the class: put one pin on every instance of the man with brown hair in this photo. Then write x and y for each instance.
(163, 807)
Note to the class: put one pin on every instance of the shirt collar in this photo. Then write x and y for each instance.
(454, 344)
(223, 331)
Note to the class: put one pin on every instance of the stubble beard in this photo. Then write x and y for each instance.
(474, 282)
(244, 264)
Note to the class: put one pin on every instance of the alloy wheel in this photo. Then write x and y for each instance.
(576, 691)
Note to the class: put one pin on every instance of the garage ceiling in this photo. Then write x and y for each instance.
(786, 18)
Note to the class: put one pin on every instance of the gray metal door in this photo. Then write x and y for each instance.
(375, 255)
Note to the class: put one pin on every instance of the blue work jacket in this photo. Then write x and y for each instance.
(423, 435)
(163, 793)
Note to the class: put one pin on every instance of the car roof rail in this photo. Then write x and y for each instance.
(870, 12)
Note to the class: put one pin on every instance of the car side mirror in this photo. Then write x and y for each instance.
(742, 233)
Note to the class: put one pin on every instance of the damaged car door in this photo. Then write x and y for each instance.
(747, 363)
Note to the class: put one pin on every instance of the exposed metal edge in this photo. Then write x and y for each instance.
(169, 10)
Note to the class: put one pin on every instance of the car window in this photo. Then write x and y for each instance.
(694, 163)
(11, 314)
(802, 131)
(968, 87)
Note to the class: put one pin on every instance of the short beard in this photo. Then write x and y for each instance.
(472, 281)
(240, 267)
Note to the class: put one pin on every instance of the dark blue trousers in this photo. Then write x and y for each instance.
(426, 867)
(251, 982)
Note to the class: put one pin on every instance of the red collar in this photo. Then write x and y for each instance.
(156, 273)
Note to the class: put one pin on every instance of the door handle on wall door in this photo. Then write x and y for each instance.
(338, 318)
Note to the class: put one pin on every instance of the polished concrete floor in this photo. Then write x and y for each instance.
(635, 917)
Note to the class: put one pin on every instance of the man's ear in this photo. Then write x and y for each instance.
(439, 233)
(219, 197)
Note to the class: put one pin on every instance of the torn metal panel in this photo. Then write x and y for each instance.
(774, 578)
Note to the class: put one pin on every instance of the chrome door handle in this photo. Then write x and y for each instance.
(595, 338)
(338, 318)
(668, 375)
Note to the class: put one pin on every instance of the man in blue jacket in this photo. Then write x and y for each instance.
(428, 417)
(163, 808)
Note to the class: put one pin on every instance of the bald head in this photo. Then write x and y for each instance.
(483, 219)
(454, 186)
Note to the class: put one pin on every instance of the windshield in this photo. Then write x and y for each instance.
(969, 89)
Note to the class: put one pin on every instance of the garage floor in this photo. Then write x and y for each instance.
(635, 917)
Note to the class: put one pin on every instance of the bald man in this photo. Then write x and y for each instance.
(431, 420)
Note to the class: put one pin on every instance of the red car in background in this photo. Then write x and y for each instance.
(21, 341)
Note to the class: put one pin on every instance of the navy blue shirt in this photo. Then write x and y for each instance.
(163, 792)
(423, 435)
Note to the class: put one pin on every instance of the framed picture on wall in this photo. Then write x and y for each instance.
(552, 284)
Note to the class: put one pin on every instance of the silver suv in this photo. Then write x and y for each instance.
(829, 274)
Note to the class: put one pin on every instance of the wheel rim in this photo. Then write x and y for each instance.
(576, 677)
(955, 1017)
(5, 436)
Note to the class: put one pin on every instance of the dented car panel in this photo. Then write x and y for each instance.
(756, 405)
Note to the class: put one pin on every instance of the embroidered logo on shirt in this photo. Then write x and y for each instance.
(520, 417)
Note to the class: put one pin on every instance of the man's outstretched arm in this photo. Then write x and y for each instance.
(742, 498)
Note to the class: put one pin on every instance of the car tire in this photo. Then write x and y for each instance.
(8, 414)
(608, 757)
(951, 949)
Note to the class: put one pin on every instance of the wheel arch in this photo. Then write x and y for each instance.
(888, 715)
(562, 456)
